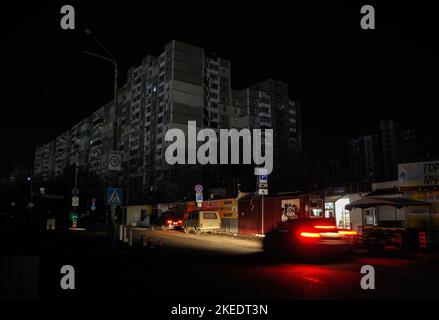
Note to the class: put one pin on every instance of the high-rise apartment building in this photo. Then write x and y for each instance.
(365, 161)
(181, 84)
(375, 157)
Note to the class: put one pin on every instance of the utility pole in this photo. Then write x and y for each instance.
(30, 195)
(76, 175)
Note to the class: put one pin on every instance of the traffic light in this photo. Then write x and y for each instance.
(74, 219)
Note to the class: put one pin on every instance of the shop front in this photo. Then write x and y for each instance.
(419, 181)
(336, 200)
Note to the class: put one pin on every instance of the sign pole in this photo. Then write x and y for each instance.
(262, 183)
(262, 214)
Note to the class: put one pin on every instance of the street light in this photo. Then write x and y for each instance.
(110, 58)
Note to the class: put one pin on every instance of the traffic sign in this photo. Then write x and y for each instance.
(93, 204)
(114, 161)
(75, 201)
(199, 197)
(114, 196)
(263, 185)
(263, 192)
(263, 178)
(198, 188)
(75, 191)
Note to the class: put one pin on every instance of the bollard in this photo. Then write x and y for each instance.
(121, 232)
(149, 244)
(125, 237)
(130, 237)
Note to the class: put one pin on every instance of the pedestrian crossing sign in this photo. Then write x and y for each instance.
(114, 196)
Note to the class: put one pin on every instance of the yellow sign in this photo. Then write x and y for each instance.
(418, 174)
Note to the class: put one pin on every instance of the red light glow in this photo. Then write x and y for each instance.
(310, 235)
(348, 233)
(325, 227)
(169, 221)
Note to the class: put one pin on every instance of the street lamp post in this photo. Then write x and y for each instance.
(31, 181)
(76, 177)
(109, 58)
(113, 61)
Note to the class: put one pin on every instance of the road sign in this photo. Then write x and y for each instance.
(198, 188)
(199, 197)
(263, 185)
(75, 201)
(114, 161)
(42, 191)
(263, 192)
(30, 205)
(114, 196)
(263, 178)
(93, 204)
(75, 191)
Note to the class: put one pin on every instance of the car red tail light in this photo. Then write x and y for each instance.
(310, 235)
(169, 222)
(180, 221)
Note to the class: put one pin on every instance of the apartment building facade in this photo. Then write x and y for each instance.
(181, 84)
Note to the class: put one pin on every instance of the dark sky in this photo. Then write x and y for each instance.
(347, 78)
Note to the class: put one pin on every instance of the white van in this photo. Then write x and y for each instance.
(202, 221)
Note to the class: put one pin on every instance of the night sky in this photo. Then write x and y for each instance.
(346, 78)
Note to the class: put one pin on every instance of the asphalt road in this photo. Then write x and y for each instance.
(207, 267)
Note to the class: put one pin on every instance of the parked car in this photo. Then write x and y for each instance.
(309, 238)
(202, 221)
(168, 220)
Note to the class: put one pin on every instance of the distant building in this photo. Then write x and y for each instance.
(365, 159)
(388, 134)
(375, 157)
(285, 118)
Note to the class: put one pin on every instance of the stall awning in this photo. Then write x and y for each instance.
(368, 202)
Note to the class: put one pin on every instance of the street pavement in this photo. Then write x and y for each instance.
(205, 267)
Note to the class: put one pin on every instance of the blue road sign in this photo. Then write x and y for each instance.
(114, 196)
